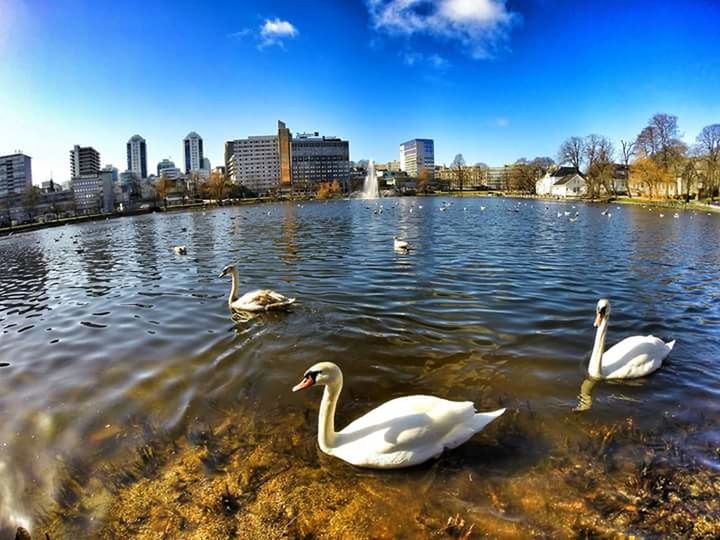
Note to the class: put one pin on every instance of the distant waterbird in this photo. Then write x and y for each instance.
(180, 250)
(400, 245)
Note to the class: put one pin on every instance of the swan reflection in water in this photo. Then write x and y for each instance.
(585, 400)
(585, 397)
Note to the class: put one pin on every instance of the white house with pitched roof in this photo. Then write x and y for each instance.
(562, 182)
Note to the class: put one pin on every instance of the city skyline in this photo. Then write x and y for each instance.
(493, 80)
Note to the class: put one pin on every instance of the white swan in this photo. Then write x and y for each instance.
(259, 300)
(180, 250)
(402, 432)
(633, 357)
(400, 245)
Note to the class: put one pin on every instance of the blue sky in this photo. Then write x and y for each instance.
(492, 80)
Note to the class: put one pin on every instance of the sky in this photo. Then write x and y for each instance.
(495, 80)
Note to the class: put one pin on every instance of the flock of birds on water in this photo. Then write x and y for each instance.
(410, 430)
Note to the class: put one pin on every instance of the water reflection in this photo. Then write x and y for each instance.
(585, 397)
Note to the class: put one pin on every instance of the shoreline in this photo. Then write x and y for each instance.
(635, 201)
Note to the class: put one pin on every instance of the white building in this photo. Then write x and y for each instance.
(559, 177)
(417, 155)
(254, 162)
(193, 152)
(15, 174)
(572, 185)
(137, 156)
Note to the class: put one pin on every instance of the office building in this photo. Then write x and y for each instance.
(254, 163)
(137, 156)
(84, 161)
(193, 144)
(317, 159)
(206, 164)
(497, 177)
(168, 169)
(15, 174)
(416, 156)
(269, 162)
(93, 193)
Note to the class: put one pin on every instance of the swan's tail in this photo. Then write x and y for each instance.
(483, 419)
(670, 344)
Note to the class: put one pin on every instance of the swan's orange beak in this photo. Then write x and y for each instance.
(307, 382)
(598, 319)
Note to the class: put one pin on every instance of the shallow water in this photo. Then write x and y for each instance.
(106, 329)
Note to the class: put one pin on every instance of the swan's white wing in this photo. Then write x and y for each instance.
(634, 357)
(408, 431)
(261, 300)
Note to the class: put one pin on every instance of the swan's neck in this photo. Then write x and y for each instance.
(233, 288)
(595, 366)
(326, 418)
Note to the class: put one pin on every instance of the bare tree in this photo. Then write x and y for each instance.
(709, 149)
(162, 188)
(458, 167)
(660, 140)
(217, 186)
(423, 179)
(571, 152)
(543, 164)
(31, 196)
(523, 176)
(598, 152)
(627, 151)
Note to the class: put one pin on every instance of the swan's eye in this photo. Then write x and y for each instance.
(313, 375)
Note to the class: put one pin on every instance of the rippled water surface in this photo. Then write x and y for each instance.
(105, 328)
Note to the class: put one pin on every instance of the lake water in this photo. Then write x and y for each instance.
(116, 344)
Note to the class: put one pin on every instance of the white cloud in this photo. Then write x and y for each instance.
(270, 32)
(480, 26)
(273, 32)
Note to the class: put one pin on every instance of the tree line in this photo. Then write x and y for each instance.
(656, 163)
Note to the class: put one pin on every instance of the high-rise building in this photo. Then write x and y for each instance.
(416, 156)
(137, 156)
(254, 162)
(15, 174)
(318, 159)
(284, 139)
(193, 152)
(206, 164)
(84, 160)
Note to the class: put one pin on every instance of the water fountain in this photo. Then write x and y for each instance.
(370, 186)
